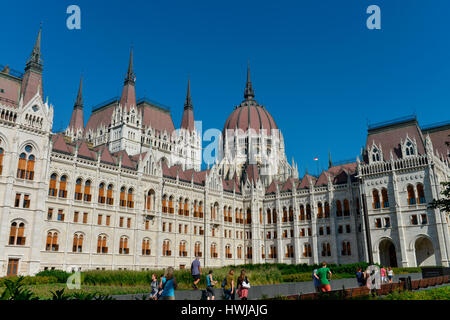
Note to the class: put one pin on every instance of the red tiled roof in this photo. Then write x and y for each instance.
(305, 182)
(59, 144)
(77, 121)
(439, 137)
(31, 82)
(105, 156)
(157, 118)
(83, 151)
(126, 161)
(12, 87)
(187, 122)
(100, 117)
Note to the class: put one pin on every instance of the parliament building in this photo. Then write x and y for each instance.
(126, 190)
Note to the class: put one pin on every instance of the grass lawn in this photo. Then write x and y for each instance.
(442, 293)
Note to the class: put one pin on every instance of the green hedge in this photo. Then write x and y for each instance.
(28, 280)
(62, 276)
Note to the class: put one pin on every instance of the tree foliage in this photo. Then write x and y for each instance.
(443, 203)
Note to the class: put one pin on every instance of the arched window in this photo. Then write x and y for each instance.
(146, 247)
(285, 214)
(411, 195)
(338, 208)
(102, 244)
(63, 187)
(248, 220)
(239, 252)
(319, 211)
(241, 219)
(307, 250)
(249, 253)
(274, 216)
(269, 216)
(130, 201)
(346, 248)
(25, 168)
(291, 214)
(52, 188)
(180, 206)
(182, 249)
(376, 199)
(420, 194)
(16, 234)
(2, 152)
(171, 205)
(77, 243)
(78, 192)
(198, 249)
(346, 208)
(166, 248)
(52, 241)
(228, 254)
(213, 251)
(186, 208)
(164, 204)
(123, 201)
(327, 210)
(200, 209)
(302, 213)
(326, 249)
(384, 197)
(375, 154)
(150, 200)
(409, 149)
(308, 212)
(109, 195)
(101, 193)
(263, 252)
(123, 245)
(87, 191)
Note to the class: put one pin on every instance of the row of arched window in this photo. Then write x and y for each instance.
(26, 164)
(383, 202)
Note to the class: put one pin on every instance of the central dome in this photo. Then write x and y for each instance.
(249, 114)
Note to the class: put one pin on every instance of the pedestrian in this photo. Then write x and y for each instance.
(162, 280)
(383, 275)
(169, 286)
(154, 286)
(228, 285)
(390, 274)
(196, 272)
(243, 285)
(210, 283)
(322, 275)
(360, 277)
(316, 280)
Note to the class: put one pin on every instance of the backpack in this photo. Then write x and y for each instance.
(224, 282)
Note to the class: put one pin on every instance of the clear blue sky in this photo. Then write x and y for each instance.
(315, 66)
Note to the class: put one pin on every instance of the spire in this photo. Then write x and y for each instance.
(330, 163)
(188, 102)
(128, 97)
(187, 122)
(130, 74)
(34, 62)
(76, 125)
(249, 94)
(79, 101)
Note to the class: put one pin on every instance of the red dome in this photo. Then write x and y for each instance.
(250, 115)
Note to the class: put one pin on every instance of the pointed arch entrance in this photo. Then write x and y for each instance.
(388, 256)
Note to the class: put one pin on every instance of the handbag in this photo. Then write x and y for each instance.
(245, 285)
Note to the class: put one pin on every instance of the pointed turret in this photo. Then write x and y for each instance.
(128, 97)
(77, 121)
(330, 163)
(187, 121)
(249, 94)
(32, 79)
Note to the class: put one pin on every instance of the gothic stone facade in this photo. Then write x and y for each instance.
(125, 191)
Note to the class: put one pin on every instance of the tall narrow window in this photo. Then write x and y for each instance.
(338, 208)
(109, 195)
(130, 201)
(164, 204)
(78, 192)
(302, 213)
(26, 201)
(319, 211)
(52, 188)
(327, 210)
(146, 247)
(108, 220)
(149, 200)
(269, 216)
(420, 194)
(63, 187)
(123, 201)
(12, 233)
(17, 200)
(87, 191)
(101, 244)
(77, 243)
(85, 217)
(346, 208)
(384, 198)
(75, 216)
(20, 235)
(52, 241)
(411, 195)
(25, 168)
(376, 199)
(123, 245)
(308, 212)
(101, 193)
(2, 152)
(21, 168)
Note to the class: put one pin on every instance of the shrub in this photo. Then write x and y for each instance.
(61, 275)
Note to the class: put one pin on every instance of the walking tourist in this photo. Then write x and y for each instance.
(196, 272)
(322, 275)
(154, 286)
(316, 281)
(360, 277)
(210, 283)
(383, 274)
(169, 286)
(390, 274)
(243, 285)
(228, 285)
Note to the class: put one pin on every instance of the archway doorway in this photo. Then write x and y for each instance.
(388, 256)
(424, 252)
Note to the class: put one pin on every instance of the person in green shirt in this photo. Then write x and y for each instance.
(322, 276)
(228, 289)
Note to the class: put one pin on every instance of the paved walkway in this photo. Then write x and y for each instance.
(270, 291)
